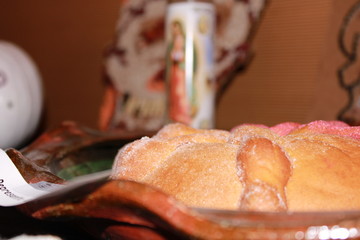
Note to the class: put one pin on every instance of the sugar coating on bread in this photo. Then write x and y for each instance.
(325, 169)
(210, 167)
(329, 127)
(287, 167)
(141, 157)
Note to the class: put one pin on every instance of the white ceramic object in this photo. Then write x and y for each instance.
(21, 96)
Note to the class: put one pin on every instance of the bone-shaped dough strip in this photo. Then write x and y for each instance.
(264, 171)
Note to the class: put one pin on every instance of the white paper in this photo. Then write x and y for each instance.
(14, 190)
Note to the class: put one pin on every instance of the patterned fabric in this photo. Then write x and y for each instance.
(134, 66)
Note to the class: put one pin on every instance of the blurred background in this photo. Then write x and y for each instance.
(292, 76)
(66, 41)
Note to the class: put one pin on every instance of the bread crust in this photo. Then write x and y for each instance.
(288, 167)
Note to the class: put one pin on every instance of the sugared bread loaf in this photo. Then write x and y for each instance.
(288, 167)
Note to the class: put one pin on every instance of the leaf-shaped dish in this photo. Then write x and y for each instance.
(118, 209)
